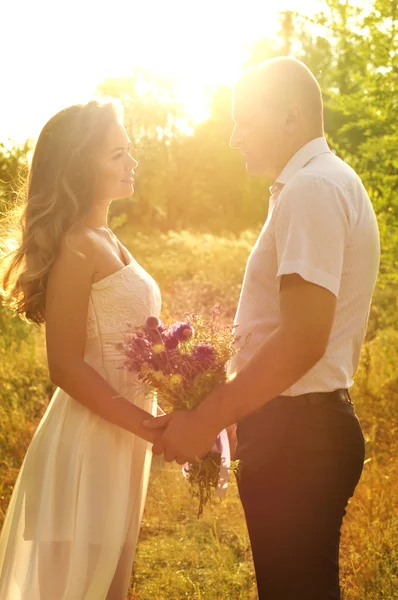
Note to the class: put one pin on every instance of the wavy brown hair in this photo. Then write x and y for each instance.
(60, 189)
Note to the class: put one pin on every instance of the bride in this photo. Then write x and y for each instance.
(72, 523)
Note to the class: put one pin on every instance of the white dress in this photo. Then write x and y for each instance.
(73, 520)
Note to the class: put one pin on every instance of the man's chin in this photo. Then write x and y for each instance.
(255, 169)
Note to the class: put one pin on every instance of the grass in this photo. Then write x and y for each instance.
(179, 556)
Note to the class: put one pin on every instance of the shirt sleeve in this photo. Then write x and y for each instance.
(311, 230)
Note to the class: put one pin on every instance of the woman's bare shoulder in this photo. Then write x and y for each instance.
(77, 256)
(80, 241)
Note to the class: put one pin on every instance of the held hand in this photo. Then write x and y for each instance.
(231, 430)
(158, 426)
(151, 435)
(185, 438)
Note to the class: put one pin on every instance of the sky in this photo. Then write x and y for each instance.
(56, 53)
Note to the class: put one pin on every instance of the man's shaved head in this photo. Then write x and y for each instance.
(289, 80)
(277, 109)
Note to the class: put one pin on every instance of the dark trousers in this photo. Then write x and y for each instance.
(300, 463)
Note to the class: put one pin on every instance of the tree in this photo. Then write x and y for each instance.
(13, 171)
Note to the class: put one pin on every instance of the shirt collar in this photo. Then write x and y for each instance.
(301, 158)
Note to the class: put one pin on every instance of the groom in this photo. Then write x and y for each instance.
(305, 303)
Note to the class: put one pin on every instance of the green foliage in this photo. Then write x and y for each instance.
(356, 60)
(24, 393)
(13, 170)
(196, 181)
(184, 262)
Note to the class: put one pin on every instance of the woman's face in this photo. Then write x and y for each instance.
(116, 166)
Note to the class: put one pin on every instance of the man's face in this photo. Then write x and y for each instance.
(259, 128)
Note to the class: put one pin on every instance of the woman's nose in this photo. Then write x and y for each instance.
(132, 163)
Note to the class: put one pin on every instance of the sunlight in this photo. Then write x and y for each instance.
(59, 59)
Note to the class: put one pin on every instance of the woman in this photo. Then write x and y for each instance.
(72, 523)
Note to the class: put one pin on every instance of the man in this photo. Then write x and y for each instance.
(305, 302)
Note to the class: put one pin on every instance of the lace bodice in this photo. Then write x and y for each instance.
(125, 298)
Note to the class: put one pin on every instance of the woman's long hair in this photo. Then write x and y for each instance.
(60, 189)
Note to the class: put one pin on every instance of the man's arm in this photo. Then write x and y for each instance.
(307, 312)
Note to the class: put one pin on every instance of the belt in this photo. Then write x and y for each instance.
(341, 395)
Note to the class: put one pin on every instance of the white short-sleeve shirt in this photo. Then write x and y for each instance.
(322, 226)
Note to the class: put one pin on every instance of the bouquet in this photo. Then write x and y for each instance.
(183, 363)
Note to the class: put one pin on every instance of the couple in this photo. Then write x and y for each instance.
(73, 520)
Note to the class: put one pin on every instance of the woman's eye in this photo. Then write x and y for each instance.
(118, 156)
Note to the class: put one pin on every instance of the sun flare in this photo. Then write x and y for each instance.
(62, 52)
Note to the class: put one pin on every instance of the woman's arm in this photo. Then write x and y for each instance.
(67, 297)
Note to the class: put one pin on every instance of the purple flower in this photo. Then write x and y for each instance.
(154, 329)
(205, 354)
(191, 364)
(171, 342)
(182, 331)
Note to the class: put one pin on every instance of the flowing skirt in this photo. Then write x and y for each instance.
(72, 524)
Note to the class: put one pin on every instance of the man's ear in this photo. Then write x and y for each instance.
(293, 118)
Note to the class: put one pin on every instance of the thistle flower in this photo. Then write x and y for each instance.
(182, 331)
(152, 323)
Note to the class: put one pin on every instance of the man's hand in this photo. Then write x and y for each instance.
(231, 430)
(186, 436)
